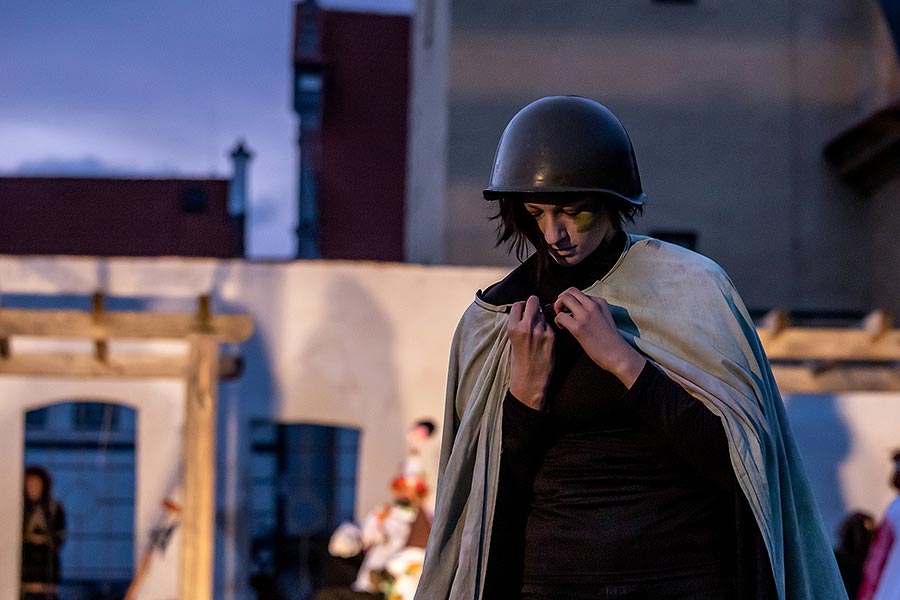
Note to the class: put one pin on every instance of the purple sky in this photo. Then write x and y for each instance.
(157, 88)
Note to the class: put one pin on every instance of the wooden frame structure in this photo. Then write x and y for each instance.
(199, 368)
(825, 360)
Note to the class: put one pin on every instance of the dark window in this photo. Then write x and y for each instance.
(91, 416)
(98, 556)
(303, 485)
(685, 239)
(36, 419)
(194, 200)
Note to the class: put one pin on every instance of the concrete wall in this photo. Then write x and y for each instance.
(729, 105)
(427, 152)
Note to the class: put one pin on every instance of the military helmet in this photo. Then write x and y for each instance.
(565, 145)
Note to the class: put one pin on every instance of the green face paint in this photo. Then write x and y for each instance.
(585, 221)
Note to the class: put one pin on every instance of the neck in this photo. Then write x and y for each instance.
(553, 278)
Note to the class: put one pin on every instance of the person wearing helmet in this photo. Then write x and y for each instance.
(612, 426)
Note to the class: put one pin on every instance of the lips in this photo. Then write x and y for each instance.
(567, 250)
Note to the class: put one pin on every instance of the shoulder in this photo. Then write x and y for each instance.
(656, 258)
(518, 285)
(478, 324)
(651, 250)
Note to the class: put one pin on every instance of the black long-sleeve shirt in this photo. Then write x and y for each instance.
(616, 495)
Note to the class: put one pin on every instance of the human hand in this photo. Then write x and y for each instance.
(591, 322)
(531, 358)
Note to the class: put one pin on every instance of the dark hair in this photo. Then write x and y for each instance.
(517, 228)
(427, 425)
(855, 535)
(42, 474)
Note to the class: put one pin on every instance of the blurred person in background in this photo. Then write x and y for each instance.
(881, 573)
(612, 425)
(855, 535)
(43, 534)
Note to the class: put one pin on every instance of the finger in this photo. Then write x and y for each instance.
(515, 311)
(565, 321)
(533, 312)
(569, 303)
(579, 295)
(590, 302)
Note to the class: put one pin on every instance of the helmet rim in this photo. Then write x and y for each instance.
(565, 145)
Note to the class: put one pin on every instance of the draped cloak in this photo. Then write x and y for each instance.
(682, 312)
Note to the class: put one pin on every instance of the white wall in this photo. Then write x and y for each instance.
(160, 415)
(363, 345)
(846, 443)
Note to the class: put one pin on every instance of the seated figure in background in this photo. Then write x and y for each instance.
(392, 537)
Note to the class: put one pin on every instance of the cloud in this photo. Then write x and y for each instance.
(91, 166)
(86, 165)
(270, 232)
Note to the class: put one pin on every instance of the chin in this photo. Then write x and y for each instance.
(567, 261)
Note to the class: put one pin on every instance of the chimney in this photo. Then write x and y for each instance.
(237, 195)
(237, 191)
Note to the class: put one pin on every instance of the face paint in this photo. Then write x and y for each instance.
(571, 232)
(585, 221)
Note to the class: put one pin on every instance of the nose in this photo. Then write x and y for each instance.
(554, 231)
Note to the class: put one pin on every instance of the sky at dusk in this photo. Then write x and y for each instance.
(120, 87)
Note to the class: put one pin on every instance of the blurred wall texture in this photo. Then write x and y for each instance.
(729, 106)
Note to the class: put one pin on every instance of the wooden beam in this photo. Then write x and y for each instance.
(877, 323)
(775, 322)
(805, 380)
(125, 366)
(204, 314)
(831, 344)
(198, 518)
(73, 324)
(98, 308)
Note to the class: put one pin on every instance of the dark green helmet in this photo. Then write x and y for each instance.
(565, 145)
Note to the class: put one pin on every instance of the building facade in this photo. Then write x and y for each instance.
(729, 107)
(351, 90)
(119, 217)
